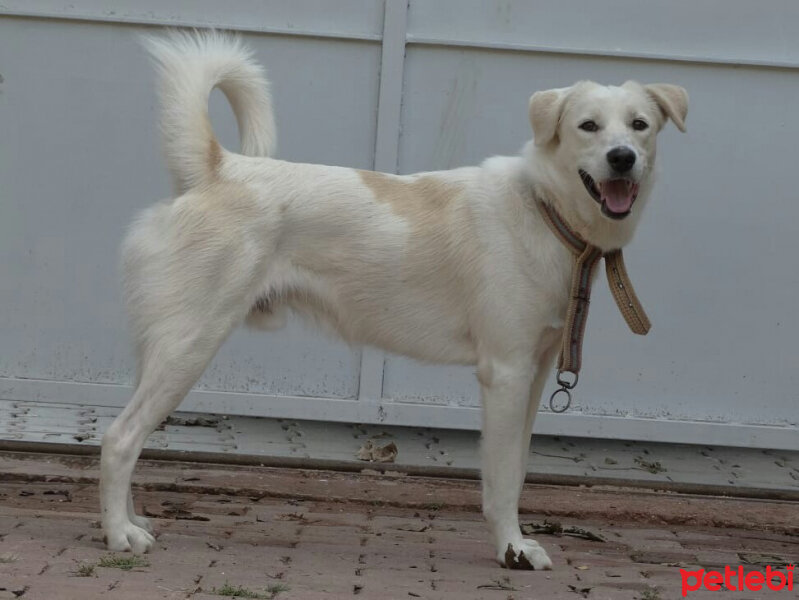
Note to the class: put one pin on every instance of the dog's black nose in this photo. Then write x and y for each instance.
(621, 159)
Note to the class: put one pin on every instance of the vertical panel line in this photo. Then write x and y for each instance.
(387, 133)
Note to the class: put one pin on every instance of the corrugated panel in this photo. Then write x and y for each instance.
(62, 316)
(712, 260)
(420, 450)
(359, 19)
(711, 30)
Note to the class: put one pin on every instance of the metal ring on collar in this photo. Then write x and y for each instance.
(563, 408)
(565, 383)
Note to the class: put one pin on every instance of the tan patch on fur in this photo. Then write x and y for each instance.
(214, 157)
(441, 246)
(424, 199)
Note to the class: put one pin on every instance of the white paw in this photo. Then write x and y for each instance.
(129, 537)
(142, 522)
(526, 554)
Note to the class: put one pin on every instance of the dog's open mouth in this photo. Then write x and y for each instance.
(616, 196)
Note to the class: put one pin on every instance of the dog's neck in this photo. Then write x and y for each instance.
(568, 196)
(595, 229)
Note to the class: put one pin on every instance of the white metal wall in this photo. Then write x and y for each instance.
(406, 87)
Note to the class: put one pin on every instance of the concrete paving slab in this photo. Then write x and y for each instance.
(363, 536)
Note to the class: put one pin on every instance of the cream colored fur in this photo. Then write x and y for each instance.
(451, 267)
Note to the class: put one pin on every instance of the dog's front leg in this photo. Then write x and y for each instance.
(506, 397)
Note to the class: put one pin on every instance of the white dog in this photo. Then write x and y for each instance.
(451, 267)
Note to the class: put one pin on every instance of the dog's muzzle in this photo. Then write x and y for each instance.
(615, 196)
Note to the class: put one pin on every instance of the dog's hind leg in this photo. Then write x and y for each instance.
(169, 367)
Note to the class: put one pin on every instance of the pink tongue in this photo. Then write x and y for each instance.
(617, 195)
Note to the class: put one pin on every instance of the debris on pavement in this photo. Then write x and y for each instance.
(502, 585)
(762, 560)
(584, 591)
(174, 510)
(557, 529)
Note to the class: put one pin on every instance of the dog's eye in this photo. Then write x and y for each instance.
(589, 126)
(640, 124)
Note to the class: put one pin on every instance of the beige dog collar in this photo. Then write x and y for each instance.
(586, 258)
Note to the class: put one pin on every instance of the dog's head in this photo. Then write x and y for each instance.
(595, 150)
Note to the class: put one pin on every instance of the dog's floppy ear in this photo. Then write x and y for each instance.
(545, 111)
(672, 100)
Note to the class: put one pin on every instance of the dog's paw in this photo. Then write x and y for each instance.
(142, 522)
(129, 538)
(526, 554)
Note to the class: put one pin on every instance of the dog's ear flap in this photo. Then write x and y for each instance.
(672, 101)
(545, 112)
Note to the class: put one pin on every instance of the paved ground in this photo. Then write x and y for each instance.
(294, 534)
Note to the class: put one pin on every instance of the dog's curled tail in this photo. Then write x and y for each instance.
(190, 65)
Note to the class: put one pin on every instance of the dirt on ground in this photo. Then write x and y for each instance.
(257, 532)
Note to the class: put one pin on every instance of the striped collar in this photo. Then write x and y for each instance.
(586, 258)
